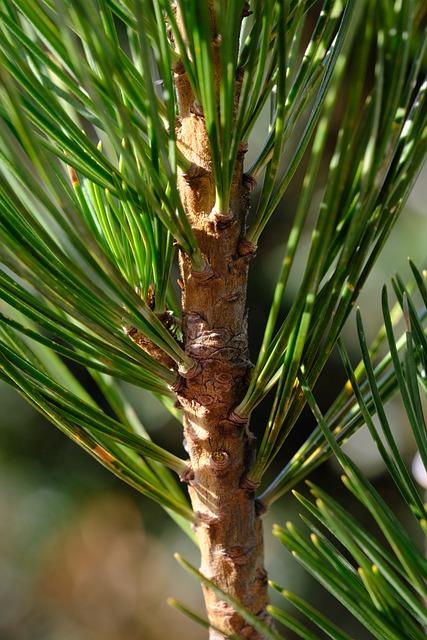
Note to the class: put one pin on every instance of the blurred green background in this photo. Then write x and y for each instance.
(84, 557)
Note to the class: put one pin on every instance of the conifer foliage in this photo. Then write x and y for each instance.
(124, 127)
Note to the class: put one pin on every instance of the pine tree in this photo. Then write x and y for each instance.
(124, 126)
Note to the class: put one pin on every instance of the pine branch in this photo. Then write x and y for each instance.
(123, 132)
(387, 591)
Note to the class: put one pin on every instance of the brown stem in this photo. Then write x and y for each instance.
(228, 526)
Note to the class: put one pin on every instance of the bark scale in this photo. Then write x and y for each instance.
(220, 446)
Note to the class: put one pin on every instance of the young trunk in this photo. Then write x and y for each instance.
(220, 446)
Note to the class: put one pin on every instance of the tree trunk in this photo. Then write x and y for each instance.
(220, 446)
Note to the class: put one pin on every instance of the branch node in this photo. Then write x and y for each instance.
(249, 181)
(248, 484)
(192, 372)
(178, 385)
(205, 518)
(247, 249)
(204, 275)
(197, 109)
(194, 172)
(187, 475)
(222, 220)
(243, 149)
(236, 419)
(260, 507)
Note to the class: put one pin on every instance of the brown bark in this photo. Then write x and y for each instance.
(228, 528)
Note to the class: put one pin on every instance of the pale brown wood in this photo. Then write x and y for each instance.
(220, 447)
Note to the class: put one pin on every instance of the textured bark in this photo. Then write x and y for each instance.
(220, 446)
